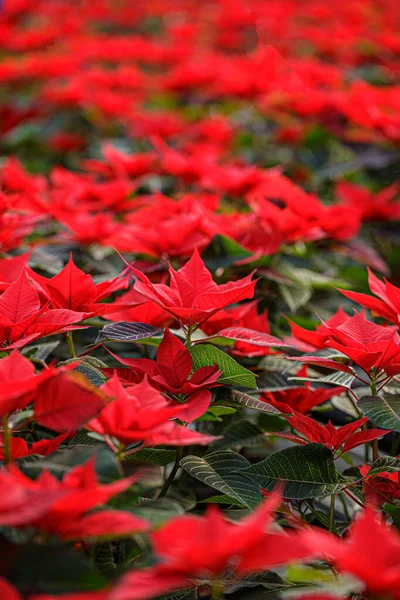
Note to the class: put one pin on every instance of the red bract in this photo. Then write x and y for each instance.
(67, 401)
(171, 373)
(372, 206)
(386, 305)
(73, 289)
(19, 448)
(244, 316)
(328, 435)
(18, 382)
(378, 570)
(374, 348)
(66, 504)
(140, 414)
(141, 310)
(385, 485)
(193, 549)
(192, 296)
(309, 340)
(23, 319)
(300, 399)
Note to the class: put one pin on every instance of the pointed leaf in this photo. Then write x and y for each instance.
(384, 410)
(306, 471)
(127, 332)
(253, 403)
(242, 434)
(220, 470)
(242, 334)
(231, 372)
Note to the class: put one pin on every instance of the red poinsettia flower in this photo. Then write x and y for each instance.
(385, 485)
(386, 305)
(24, 319)
(66, 504)
(140, 413)
(192, 296)
(171, 373)
(309, 340)
(19, 447)
(247, 316)
(301, 399)
(73, 289)
(378, 569)
(374, 348)
(328, 435)
(194, 549)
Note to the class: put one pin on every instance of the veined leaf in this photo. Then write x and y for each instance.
(221, 470)
(384, 464)
(231, 372)
(250, 402)
(306, 471)
(242, 334)
(241, 433)
(384, 410)
(127, 332)
(154, 456)
(339, 378)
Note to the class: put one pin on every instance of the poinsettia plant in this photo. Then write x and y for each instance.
(199, 300)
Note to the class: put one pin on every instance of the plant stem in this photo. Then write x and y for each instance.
(188, 342)
(332, 512)
(167, 484)
(345, 507)
(375, 450)
(217, 590)
(395, 443)
(7, 440)
(70, 342)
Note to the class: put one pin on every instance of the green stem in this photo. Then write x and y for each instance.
(7, 440)
(332, 512)
(395, 443)
(188, 342)
(372, 385)
(375, 450)
(167, 484)
(217, 590)
(345, 507)
(70, 342)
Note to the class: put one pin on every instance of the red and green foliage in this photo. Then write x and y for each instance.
(199, 300)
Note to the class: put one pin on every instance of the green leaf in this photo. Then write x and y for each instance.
(222, 499)
(90, 367)
(231, 372)
(53, 569)
(158, 511)
(241, 434)
(221, 470)
(306, 471)
(385, 464)
(61, 463)
(127, 332)
(384, 411)
(253, 403)
(295, 297)
(153, 456)
(40, 351)
(339, 378)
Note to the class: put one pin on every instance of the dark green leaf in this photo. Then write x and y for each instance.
(220, 470)
(241, 434)
(306, 472)
(54, 569)
(384, 411)
(127, 332)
